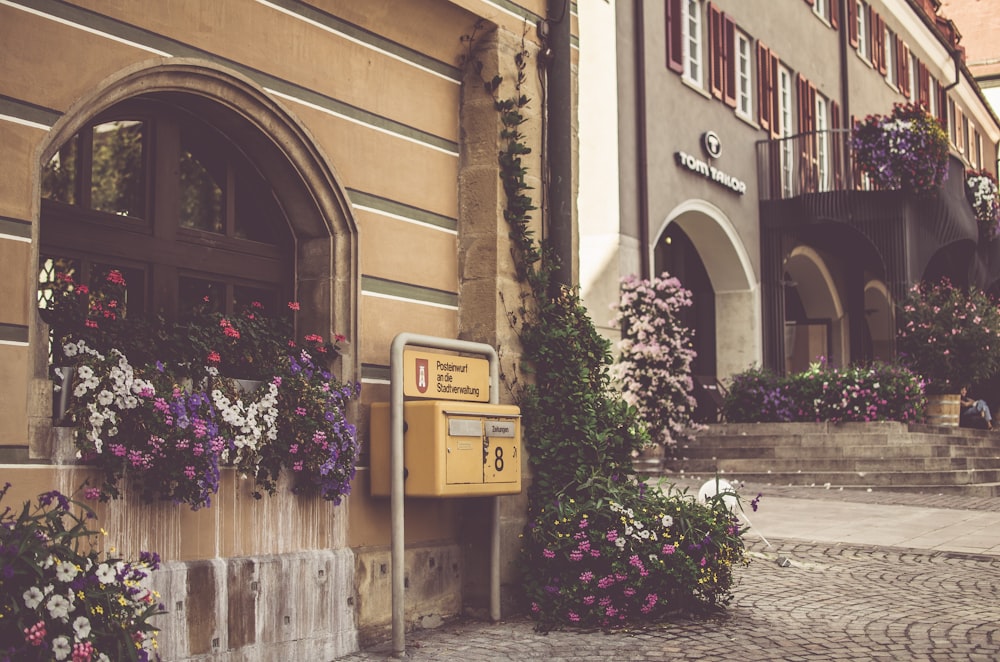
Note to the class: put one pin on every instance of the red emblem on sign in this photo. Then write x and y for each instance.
(423, 375)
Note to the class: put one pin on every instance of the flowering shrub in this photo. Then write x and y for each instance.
(981, 189)
(907, 149)
(876, 392)
(315, 441)
(629, 555)
(949, 335)
(59, 599)
(75, 311)
(249, 344)
(141, 422)
(654, 367)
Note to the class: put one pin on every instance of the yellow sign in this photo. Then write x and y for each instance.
(445, 376)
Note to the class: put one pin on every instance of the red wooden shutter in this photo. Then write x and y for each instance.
(942, 105)
(675, 36)
(835, 13)
(764, 86)
(852, 22)
(923, 85)
(810, 2)
(716, 60)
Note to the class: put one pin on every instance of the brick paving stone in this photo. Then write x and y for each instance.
(833, 602)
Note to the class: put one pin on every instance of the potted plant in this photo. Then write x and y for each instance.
(981, 190)
(950, 336)
(908, 149)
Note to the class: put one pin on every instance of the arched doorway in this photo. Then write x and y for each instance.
(708, 256)
(814, 313)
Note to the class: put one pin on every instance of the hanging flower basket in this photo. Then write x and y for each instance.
(906, 150)
(981, 189)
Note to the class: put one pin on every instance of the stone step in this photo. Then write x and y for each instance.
(931, 480)
(762, 451)
(976, 440)
(849, 464)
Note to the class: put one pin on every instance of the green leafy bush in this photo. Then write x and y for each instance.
(876, 392)
(61, 598)
(625, 554)
(949, 335)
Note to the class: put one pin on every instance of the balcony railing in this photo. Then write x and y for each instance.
(814, 162)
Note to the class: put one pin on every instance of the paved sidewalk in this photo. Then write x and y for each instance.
(847, 575)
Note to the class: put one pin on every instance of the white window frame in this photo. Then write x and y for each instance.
(890, 59)
(744, 76)
(692, 40)
(822, 9)
(914, 92)
(863, 30)
(932, 93)
(784, 111)
(822, 144)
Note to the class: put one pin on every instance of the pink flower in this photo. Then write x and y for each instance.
(548, 553)
(293, 305)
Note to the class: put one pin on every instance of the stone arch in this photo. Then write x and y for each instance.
(315, 202)
(734, 282)
(811, 278)
(881, 319)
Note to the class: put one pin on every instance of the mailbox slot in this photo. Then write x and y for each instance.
(450, 449)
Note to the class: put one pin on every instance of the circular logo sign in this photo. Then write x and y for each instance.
(712, 144)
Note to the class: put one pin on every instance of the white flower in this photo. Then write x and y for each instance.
(49, 561)
(33, 597)
(65, 572)
(667, 521)
(70, 349)
(105, 397)
(85, 372)
(105, 574)
(81, 626)
(103, 658)
(620, 543)
(58, 607)
(60, 648)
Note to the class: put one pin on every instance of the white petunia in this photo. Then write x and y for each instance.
(105, 574)
(33, 597)
(85, 372)
(66, 572)
(81, 626)
(667, 521)
(105, 397)
(58, 607)
(60, 648)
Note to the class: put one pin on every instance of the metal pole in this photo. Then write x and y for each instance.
(400, 342)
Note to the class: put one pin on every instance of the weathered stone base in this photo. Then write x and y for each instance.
(296, 606)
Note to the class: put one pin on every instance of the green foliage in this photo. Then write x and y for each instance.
(582, 437)
(622, 554)
(876, 392)
(60, 597)
(949, 335)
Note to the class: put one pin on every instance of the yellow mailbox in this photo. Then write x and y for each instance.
(450, 449)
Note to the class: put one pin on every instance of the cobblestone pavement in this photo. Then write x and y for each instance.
(796, 601)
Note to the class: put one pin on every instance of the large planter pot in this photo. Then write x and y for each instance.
(944, 409)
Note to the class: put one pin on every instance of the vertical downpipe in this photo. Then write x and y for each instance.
(560, 140)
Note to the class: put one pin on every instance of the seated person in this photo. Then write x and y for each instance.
(977, 408)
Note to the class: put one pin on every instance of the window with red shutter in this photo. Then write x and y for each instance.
(765, 86)
(835, 13)
(675, 38)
